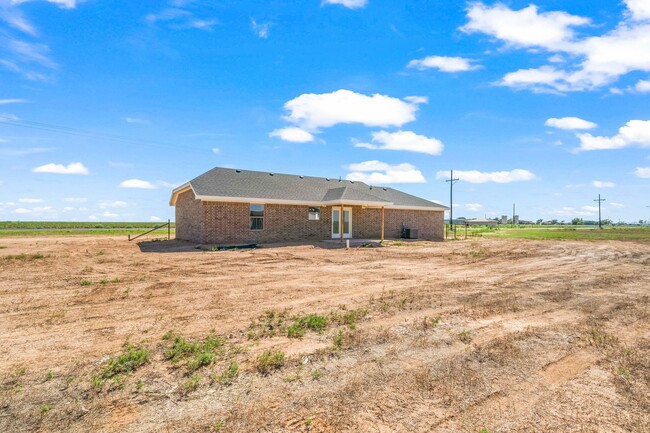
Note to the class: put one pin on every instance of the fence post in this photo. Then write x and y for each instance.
(169, 229)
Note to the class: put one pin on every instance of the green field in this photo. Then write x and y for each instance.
(560, 232)
(65, 228)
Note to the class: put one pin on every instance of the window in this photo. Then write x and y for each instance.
(257, 216)
(314, 213)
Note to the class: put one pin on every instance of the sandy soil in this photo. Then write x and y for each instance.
(481, 335)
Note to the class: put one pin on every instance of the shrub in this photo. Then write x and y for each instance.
(127, 362)
(270, 360)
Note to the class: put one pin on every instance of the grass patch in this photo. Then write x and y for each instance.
(301, 324)
(133, 358)
(195, 354)
(270, 360)
(25, 257)
(228, 376)
(465, 336)
(46, 408)
(348, 318)
(268, 325)
(86, 283)
(573, 233)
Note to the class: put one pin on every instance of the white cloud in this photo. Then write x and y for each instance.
(75, 199)
(72, 168)
(617, 205)
(260, 29)
(442, 63)
(404, 140)
(103, 204)
(108, 214)
(570, 123)
(7, 117)
(417, 99)
(639, 9)
(68, 209)
(154, 218)
(592, 209)
(31, 200)
(23, 151)
(137, 120)
(635, 132)
(180, 18)
(643, 86)
(137, 183)
(591, 62)
(473, 207)
(603, 184)
(292, 134)
(22, 210)
(474, 176)
(12, 101)
(642, 172)
(313, 111)
(216, 150)
(377, 173)
(351, 4)
(524, 28)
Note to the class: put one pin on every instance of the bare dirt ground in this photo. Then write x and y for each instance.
(482, 335)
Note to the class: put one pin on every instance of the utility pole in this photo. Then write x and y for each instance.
(451, 181)
(513, 214)
(599, 200)
(646, 221)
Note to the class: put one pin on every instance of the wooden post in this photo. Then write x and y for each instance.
(169, 229)
(341, 222)
(382, 224)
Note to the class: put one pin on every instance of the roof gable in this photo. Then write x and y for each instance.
(226, 184)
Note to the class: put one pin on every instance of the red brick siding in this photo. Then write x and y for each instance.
(189, 217)
(222, 223)
(430, 224)
(230, 223)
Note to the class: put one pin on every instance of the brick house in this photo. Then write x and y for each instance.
(228, 206)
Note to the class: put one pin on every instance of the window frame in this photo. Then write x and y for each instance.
(316, 212)
(259, 218)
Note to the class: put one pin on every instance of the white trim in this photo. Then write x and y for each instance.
(342, 222)
(437, 209)
(179, 189)
(257, 200)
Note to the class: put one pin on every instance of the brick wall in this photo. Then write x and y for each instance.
(229, 223)
(430, 225)
(189, 217)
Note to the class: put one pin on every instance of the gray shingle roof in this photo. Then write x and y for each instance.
(227, 182)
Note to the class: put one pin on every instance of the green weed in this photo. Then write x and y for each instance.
(465, 336)
(133, 358)
(86, 283)
(270, 360)
(229, 374)
(46, 408)
(301, 324)
(25, 257)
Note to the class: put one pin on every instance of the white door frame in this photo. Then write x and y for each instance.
(341, 224)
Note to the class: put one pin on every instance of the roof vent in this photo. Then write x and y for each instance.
(370, 186)
(237, 171)
(339, 178)
(327, 179)
(302, 177)
(271, 174)
(351, 181)
(385, 189)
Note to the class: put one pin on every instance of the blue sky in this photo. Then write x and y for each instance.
(105, 106)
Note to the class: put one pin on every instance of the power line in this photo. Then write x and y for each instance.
(4, 119)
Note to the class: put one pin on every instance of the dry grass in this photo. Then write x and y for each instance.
(503, 335)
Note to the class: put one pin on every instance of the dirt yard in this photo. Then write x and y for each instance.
(102, 335)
